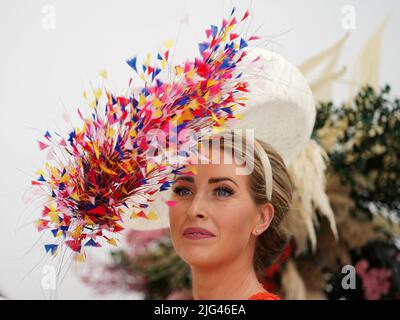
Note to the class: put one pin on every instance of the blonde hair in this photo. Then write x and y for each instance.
(270, 243)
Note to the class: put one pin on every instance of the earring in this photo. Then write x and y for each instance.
(257, 231)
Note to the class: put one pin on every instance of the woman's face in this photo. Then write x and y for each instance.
(218, 201)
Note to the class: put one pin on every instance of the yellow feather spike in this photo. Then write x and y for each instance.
(158, 113)
(53, 216)
(134, 215)
(103, 73)
(217, 130)
(112, 241)
(216, 99)
(178, 70)
(187, 115)
(65, 178)
(75, 196)
(55, 173)
(150, 166)
(157, 103)
(152, 215)
(88, 220)
(211, 82)
(97, 93)
(132, 133)
(109, 171)
(142, 100)
(110, 132)
(40, 172)
(80, 258)
(96, 150)
(168, 44)
(193, 105)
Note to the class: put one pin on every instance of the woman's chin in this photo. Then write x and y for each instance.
(197, 256)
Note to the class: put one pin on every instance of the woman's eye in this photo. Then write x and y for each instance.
(181, 191)
(219, 192)
(223, 192)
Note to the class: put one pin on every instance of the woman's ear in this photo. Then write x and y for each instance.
(266, 214)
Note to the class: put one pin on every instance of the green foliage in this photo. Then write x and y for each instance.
(162, 270)
(367, 153)
(165, 271)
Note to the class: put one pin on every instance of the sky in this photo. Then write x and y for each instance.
(52, 50)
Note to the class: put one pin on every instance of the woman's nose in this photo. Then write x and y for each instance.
(198, 208)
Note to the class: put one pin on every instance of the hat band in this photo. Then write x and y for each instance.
(266, 164)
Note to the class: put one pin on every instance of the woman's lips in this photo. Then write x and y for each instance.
(197, 233)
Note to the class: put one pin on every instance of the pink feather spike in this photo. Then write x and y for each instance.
(170, 203)
(63, 143)
(245, 15)
(42, 145)
(253, 38)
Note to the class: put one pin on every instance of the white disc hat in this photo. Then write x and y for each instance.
(280, 109)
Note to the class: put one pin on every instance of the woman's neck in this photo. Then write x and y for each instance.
(234, 281)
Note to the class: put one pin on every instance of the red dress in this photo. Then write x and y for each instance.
(264, 296)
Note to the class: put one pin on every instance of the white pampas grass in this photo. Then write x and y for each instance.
(292, 283)
(308, 176)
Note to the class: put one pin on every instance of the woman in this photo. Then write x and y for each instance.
(223, 224)
(240, 215)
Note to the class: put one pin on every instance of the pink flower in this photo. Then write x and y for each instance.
(138, 241)
(179, 295)
(362, 267)
(376, 282)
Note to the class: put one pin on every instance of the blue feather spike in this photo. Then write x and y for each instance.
(243, 44)
(132, 63)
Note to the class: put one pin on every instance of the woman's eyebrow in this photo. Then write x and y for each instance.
(211, 180)
(185, 178)
(220, 179)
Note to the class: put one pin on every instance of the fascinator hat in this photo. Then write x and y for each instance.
(280, 109)
(101, 181)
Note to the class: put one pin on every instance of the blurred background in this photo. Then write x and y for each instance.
(345, 229)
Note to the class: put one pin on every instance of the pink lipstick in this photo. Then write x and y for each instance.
(197, 233)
